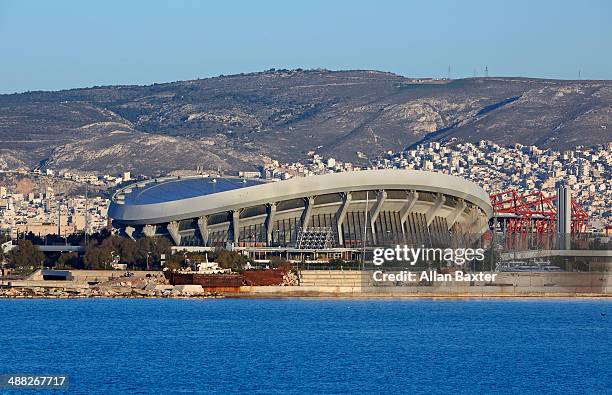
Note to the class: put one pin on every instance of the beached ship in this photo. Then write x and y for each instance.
(213, 278)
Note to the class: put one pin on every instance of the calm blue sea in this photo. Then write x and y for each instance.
(312, 346)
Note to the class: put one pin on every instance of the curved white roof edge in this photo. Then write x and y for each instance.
(138, 214)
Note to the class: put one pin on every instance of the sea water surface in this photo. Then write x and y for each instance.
(170, 346)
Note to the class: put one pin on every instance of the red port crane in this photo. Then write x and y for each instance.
(533, 212)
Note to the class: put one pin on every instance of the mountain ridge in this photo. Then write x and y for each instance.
(236, 122)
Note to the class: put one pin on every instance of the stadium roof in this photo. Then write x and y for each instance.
(171, 199)
(183, 188)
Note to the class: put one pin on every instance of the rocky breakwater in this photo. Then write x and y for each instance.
(153, 287)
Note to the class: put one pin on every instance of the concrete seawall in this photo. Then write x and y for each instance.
(80, 278)
(360, 284)
(97, 275)
(355, 284)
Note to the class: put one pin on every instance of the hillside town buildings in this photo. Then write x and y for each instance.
(586, 171)
(44, 212)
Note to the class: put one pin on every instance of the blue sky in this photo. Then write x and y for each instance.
(49, 45)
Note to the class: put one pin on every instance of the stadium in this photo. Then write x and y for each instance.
(326, 216)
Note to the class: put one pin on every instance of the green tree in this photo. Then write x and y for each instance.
(68, 260)
(230, 260)
(123, 246)
(26, 255)
(154, 248)
(97, 256)
(281, 263)
(161, 246)
(144, 246)
(174, 262)
(133, 253)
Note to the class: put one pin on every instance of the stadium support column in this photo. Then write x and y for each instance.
(476, 227)
(431, 214)
(341, 215)
(411, 198)
(129, 231)
(456, 214)
(270, 222)
(173, 230)
(380, 200)
(235, 226)
(148, 230)
(203, 227)
(309, 201)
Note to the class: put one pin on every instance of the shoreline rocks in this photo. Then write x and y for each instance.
(130, 293)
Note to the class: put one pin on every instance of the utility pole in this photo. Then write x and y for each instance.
(59, 219)
(493, 239)
(365, 230)
(86, 214)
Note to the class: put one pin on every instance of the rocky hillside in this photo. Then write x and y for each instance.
(235, 122)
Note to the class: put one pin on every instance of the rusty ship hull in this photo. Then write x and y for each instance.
(227, 282)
